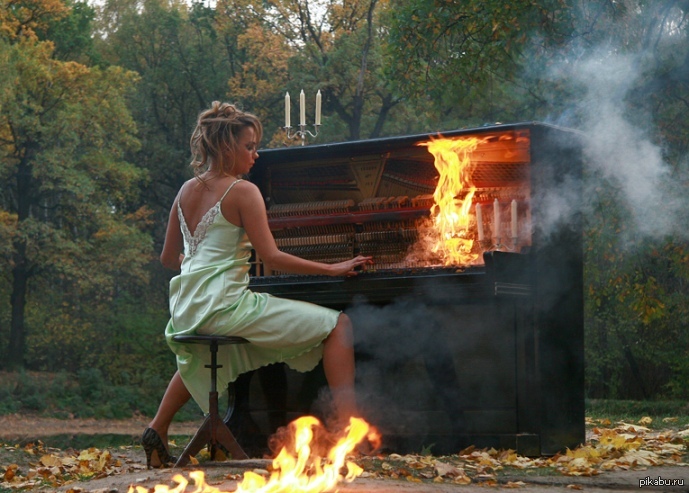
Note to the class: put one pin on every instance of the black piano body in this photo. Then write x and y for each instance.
(488, 354)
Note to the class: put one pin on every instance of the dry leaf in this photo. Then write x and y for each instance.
(448, 470)
(51, 461)
(11, 472)
(514, 484)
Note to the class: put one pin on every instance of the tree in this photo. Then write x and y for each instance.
(183, 65)
(334, 47)
(21, 19)
(67, 194)
(477, 61)
(72, 34)
(259, 57)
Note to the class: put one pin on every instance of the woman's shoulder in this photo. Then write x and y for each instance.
(243, 185)
(188, 185)
(246, 194)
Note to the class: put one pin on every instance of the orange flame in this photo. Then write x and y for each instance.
(297, 467)
(453, 198)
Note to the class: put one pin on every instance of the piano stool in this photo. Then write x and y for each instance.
(213, 431)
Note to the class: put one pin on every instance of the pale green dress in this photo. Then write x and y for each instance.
(211, 296)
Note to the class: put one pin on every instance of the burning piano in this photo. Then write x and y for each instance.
(469, 327)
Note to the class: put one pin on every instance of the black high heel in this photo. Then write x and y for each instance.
(152, 443)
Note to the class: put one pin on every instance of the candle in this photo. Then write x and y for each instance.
(318, 107)
(514, 218)
(302, 108)
(496, 219)
(479, 222)
(287, 110)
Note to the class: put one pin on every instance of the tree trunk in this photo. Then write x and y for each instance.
(15, 350)
(20, 271)
(359, 93)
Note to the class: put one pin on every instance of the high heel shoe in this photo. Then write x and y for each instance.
(155, 448)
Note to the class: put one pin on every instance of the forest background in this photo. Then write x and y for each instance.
(97, 102)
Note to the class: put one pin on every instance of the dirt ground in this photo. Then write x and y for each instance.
(18, 427)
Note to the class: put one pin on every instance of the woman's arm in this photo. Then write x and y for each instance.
(173, 248)
(252, 212)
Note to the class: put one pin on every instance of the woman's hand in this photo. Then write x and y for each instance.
(348, 267)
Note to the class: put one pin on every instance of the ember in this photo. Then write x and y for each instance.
(298, 467)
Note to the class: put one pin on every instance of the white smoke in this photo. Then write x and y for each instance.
(621, 149)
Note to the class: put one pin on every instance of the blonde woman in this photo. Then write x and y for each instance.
(215, 221)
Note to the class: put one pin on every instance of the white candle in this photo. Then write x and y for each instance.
(514, 218)
(287, 110)
(479, 222)
(302, 108)
(496, 219)
(318, 107)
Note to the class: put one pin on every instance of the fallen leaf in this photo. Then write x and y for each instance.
(514, 484)
(443, 469)
(51, 461)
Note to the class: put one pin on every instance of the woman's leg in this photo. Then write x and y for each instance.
(338, 364)
(174, 398)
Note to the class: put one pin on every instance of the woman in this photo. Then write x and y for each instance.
(215, 221)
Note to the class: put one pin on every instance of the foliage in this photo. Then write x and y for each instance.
(468, 60)
(71, 34)
(97, 103)
(87, 393)
(636, 311)
(21, 19)
(661, 412)
(69, 220)
(183, 64)
(333, 47)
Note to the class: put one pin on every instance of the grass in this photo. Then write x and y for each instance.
(664, 414)
(86, 394)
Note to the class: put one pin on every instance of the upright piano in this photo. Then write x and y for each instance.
(485, 351)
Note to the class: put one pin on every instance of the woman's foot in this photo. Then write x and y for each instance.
(157, 454)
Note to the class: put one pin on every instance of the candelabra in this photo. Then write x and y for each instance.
(301, 133)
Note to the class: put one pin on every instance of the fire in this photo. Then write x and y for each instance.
(298, 468)
(453, 198)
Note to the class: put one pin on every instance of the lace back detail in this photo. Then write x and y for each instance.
(192, 242)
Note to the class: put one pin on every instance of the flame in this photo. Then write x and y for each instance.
(453, 198)
(297, 468)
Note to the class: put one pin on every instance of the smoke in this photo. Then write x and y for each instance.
(424, 369)
(620, 155)
(620, 158)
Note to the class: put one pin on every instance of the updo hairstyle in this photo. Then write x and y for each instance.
(214, 140)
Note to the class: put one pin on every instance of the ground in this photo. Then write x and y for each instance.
(617, 457)
(18, 427)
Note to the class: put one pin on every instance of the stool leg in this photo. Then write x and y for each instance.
(213, 431)
(200, 440)
(221, 434)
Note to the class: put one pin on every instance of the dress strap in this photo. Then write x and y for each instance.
(230, 188)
